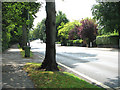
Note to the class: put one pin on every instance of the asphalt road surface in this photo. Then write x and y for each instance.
(100, 64)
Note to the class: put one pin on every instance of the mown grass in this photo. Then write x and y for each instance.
(23, 52)
(49, 79)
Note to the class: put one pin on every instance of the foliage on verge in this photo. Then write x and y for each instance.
(48, 79)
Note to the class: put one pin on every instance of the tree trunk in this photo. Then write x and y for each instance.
(49, 63)
(24, 28)
(24, 36)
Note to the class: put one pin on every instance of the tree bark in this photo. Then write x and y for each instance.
(24, 28)
(24, 36)
(49, 63)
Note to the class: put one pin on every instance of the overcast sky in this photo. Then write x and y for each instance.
(74, 9)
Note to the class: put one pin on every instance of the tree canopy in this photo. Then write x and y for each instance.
(88, 29)
(63, 33)
(60, 19)
(14, 16)
(39, 31)
(108, 16)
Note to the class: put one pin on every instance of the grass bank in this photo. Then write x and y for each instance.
(49, 79)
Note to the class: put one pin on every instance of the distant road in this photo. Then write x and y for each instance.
(100, 64)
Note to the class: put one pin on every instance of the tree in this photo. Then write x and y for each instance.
(60, 18)
(88, 30)
(42, 30)
(39, 31)
(64, 30)
(49, 62)
(108, 16)
(73, 34)
(15, 16)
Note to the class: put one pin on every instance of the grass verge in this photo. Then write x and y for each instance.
(23, 52)
(49, 79)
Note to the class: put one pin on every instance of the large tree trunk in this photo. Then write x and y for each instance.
(49, 63)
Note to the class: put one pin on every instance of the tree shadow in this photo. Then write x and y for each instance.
(113, 82)
(15, 77)
(13, 56)
(73, 59)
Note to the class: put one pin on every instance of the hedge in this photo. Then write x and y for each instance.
(72, 42)
(107, 40)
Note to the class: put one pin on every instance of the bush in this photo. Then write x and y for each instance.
(107, 40)
(75, 42)
(64, 42)
(58, 43)
(70, 42)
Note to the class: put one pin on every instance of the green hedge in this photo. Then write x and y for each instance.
(107, 40)
(72, 42)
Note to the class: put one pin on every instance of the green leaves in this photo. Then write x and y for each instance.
(27, 22)
(10, 27)
(15, 14)
(63, 32)
(108, 16)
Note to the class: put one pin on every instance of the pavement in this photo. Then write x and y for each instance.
(13, 76)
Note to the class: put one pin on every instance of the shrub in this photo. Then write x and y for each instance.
(77, 42)
(70, 42)
(58, 42)
(107, 40)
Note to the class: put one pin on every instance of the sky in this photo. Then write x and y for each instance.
(74, 9)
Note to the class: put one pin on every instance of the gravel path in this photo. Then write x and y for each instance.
(13, 75)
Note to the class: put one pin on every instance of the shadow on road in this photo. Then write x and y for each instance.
(113, 82)
(73, 59)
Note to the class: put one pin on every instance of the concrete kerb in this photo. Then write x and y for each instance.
(90, 80)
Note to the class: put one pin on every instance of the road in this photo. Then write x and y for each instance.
(100, 64)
